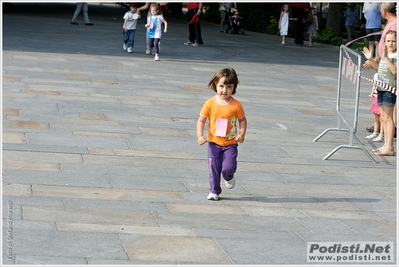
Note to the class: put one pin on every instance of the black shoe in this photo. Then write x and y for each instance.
(370, 129)
(89, 24)
(74, 23)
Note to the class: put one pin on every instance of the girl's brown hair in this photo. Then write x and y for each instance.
(230, 76)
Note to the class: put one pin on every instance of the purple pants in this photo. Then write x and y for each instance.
(222, 160)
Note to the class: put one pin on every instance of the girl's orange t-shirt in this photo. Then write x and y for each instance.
(222, 126)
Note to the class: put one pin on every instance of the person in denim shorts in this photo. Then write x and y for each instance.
(387, 70)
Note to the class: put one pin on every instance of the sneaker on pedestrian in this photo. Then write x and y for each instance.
(371, 136)
(156, 58)
(195, 44)
(129, 50)
(124, 46)
(230, 183)
(188, 43)
(379, 138)
(148, 51)
(213, 196)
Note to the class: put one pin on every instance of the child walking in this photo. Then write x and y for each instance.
(283, 23)
(154, 25)
(129, 28)
(313, 28)
(378, 134)
(222, 111)
(387, 69)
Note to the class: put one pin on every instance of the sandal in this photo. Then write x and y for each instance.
(378, 149)
(389, 151)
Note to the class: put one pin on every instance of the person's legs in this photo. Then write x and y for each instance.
(86, 13)
(130, 42)
(387, 122)
(77, 11)
(349, 30)
(215, 157)
(229, 163)
(155, 44)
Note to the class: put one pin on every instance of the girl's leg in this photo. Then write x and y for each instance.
(377, 123)
(215, 157)
(388, 125)
(156, 47)
(229, 163)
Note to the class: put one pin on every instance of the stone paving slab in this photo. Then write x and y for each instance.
(101, 163)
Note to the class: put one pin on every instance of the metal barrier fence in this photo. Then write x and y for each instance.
(347, 99)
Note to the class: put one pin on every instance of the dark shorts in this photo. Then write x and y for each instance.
(386, 98)
(224, 15)
(373, 37)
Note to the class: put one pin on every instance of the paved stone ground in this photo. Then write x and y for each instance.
(101, 163)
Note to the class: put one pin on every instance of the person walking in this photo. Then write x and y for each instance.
(129, 27)
(79, 7)
(162, 7)
(194, 15)
(299, 11)
(313, 27)
(154, 24)
(350, 15)
(225, 14)
(284, 22)
(223, 112)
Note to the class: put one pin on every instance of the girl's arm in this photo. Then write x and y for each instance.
(200, 130)
(243, 129)
(166, 25)
(279, 22)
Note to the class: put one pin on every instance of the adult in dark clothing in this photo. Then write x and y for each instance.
(299, 11)
(195, 37)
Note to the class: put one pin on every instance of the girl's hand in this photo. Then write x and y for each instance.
(385, 51)
(165, 30)
(239, 138)
(367, 53)
(201, 140)
(146, 25)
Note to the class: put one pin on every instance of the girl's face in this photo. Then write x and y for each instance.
(390, 43)
(154, 11)
(224, 91)
(285, 8)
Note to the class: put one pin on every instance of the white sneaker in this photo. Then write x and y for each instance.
(156, 58)
(124, 46)
(212, 196)
(129, 50)
(148, 51)
(188, 43)
(379, 138)
(231, 183)
(194, 44)
(371, 136)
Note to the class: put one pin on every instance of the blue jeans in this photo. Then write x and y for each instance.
(128, 37)
(222, 160)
